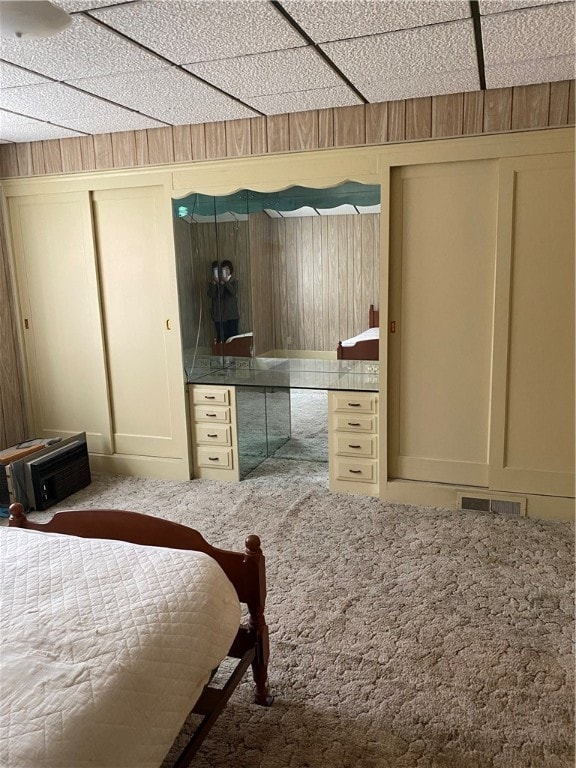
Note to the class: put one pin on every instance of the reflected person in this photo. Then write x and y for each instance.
(223, 290)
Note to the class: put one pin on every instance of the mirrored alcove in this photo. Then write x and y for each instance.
(303, 266)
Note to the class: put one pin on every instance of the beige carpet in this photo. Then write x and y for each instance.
(400, 636)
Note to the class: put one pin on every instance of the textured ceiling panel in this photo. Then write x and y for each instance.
(85, 49)
(18, 128)
(498, 6)
(325, 20)
(302, 101)
(58, 103)
(429, 84)
(530, 72)
(299, 69)
(184, 99)
(187, 32)
(535, 33)
(73, 6)
(406, 55)
(11, 76)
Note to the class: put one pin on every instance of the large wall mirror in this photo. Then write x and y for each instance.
(285, 274)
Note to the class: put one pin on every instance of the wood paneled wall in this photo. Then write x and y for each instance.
(460, 114)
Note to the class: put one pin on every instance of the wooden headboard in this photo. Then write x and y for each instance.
(373, 317)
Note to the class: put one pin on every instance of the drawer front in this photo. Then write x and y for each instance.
(361, 471)
(219, 458)
(212, 434)
(356, 445)
(355, 423)
(216, 395)
(355, 402)
(211, 413)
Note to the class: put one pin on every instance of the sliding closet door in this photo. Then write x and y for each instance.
(532, 445)
(140, 310)
(60, 314)
(443, 234)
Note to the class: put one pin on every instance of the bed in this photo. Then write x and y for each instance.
(113, 626)
(364, 346)
(235, 346)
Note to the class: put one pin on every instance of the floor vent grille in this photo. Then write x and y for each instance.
(512, 505)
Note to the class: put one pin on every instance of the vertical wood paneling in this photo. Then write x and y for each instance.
(182, 143)
(571, 118)
(303, 127)
(238, 138)
(8, 160)
(376, 123)
(325, 128)
(559, 98)
(418, 118)
(198, 139)
(278, 133)
(71, 155)
(25, 162)
(52, 156)
(87, 152)
(258, 136)
(473, 117)
(142, 154)
(160, 145)
(215, 136)
(124, 149)
(103, 155)
(396, 120)
(38, 167)
(530, 106)
(497, 110)
(349, 126)
(447, 115)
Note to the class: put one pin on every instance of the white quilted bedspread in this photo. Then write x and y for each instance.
(106, 646)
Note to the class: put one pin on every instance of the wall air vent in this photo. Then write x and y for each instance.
(501, 504)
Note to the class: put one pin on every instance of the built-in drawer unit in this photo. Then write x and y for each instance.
(353, 442)
(213, 430)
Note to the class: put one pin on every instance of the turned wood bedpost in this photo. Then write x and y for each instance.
(17, 518)
(255, 560)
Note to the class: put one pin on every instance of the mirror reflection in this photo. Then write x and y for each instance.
(290, 274)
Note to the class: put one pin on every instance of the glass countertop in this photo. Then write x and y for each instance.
(296, 373)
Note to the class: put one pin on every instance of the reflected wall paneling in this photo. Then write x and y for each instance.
(262, 277)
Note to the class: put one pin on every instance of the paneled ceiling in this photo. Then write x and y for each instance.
(150, 63)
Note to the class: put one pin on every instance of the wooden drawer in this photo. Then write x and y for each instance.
(356, 445)
(355, 402)
(211, 413)
(215, 395)
(355, 423)
(359, 471)
(212, 434)
(219, 458)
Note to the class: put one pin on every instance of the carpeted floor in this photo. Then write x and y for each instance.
(401, 637)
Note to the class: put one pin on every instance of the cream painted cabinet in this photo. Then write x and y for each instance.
(97, 287)
(353, 442)
(214, 432)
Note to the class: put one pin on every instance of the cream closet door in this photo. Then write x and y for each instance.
(532, 442)
(138, 292)
(57, 284)
(443, 235)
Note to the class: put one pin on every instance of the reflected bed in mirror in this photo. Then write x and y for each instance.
(293, 253)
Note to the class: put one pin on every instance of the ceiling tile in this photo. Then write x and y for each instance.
(381, 61)
(299, 69)
(302, 101)
(11, 76)
(187, 32)
(18, 128)
(58, 103)
(84, 49)
(531, 72)
(326, 20)
(184, 98)
(74, 6)
(432, 84)
(535, 33)
(499, 6)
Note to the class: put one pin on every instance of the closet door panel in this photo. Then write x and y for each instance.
(138, 289)
(56, 274)
(532, 446)
(443, 230)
